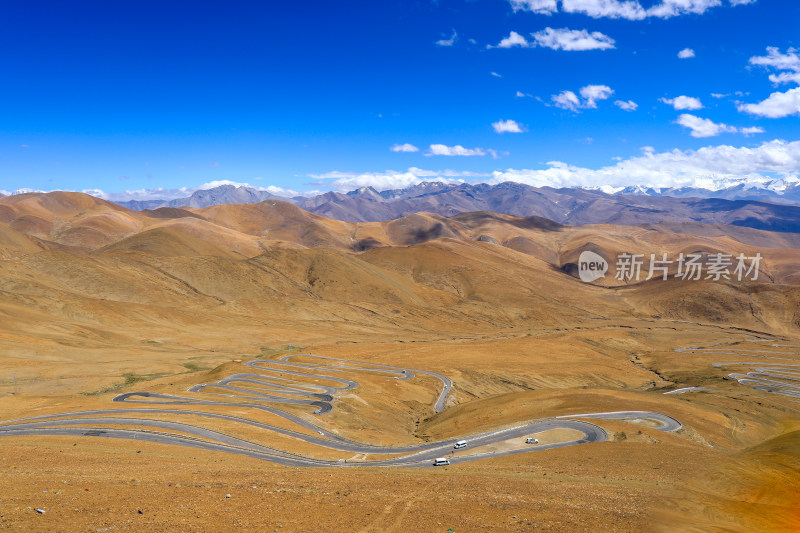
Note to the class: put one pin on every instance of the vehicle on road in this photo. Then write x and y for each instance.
(441, 461)
(531, 440)
(460, 444)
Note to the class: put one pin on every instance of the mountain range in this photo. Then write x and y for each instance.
(572, 206)
(63, 249)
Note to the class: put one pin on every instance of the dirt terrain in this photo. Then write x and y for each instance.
(97, 301)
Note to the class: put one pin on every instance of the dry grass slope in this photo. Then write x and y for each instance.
(95, 298)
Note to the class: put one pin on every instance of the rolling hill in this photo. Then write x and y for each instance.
(755, 208)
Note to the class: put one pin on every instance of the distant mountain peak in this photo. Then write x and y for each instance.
(564, 205)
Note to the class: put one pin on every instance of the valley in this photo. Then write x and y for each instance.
(424, 330)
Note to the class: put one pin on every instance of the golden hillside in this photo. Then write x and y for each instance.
(96, 300)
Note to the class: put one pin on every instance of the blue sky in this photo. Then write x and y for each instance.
(163, 97)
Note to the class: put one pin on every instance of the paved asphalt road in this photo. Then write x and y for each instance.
(285, 381)
(779, 378)
(667, 422)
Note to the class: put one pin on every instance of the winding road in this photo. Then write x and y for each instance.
(778, 378)
(285, 381)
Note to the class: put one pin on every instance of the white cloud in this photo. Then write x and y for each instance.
(405, 147)
(621, 9)
(572, 40)
(513, 39)
(630, 105)
(712, 167)
(448, 42)
(559, 39)
(507, 126)
(630, 10)
(783, 77)
(521, 94)
(457, 150)
(686, 53)
(775, 59)
(683, 102)
(25, 190)
(673, 8)
(718, 95)
(160, 193)
(750, 131)
(543, 7)
(777, 105)
(155, 193)
(590, 94)
(566, 100)
(391, 179)
(703, 127)
(496, 75)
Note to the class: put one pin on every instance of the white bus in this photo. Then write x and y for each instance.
(441, 461)
(460, 444)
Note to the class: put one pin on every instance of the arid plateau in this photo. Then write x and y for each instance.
(260, 367)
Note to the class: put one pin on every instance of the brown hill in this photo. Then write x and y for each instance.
(472, 268)
(73, 219)
(171, 298)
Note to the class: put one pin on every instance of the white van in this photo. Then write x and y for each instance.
(460, 444)
(531, 440)
(441, 461)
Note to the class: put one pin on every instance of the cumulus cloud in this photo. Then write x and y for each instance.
(673, 8)
(508, 126)
(751, 130)
(521, 94)
(712, 167)
(605, 8)
(590, 94)
(572, 40)
(778, 104)
(621, 9)
(391, 179)
(779, 79)
(457, 150)
(448, 42)
(543, 7)
(161, 193)
(405, 147)
(686, 53)
(630, 105)
(559, 39)
(513, 39)
(566, 100)
(683, 102)
(703, 127)
(775, 59)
